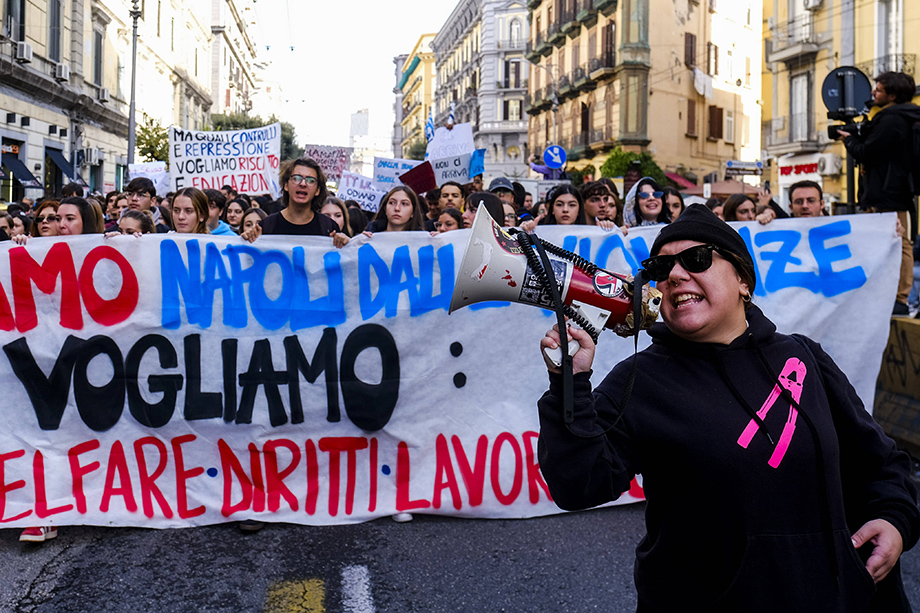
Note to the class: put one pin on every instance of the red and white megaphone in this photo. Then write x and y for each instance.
(496, 266)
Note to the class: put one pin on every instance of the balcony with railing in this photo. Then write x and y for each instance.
(564, 86)
(554, 35)
(582, 80)
(790, 134)
(511, 44)
(602, 67)
(508, 125)
(794, 41)
(579, 146)
(585, 13)
(601, 140)
(543, 47)
(898, 62)
(567, 22)
(512, 84)
(607, 7)
(530, 52)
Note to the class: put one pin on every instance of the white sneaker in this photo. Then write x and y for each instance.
(402, 517)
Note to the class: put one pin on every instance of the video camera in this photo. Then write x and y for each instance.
(851, 127)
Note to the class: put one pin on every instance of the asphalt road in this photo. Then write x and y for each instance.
(567, 563)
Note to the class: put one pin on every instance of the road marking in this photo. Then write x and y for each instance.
(296, 597)
(356, 590)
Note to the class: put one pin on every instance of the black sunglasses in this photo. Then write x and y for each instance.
(695, 259)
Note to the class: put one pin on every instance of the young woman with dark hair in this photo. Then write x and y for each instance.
(566, 207)
(400, 210)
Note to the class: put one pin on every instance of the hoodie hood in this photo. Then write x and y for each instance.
(907, 110)
(631, 216)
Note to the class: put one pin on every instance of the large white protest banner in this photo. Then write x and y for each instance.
(359, 188)
(176, 380)
(387, 171)
(333, 160)
(246, 160)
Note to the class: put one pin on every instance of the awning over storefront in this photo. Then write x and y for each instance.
(61, 162)
(681, 182)
(20, 171)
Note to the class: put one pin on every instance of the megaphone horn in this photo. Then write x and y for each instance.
(496, 266)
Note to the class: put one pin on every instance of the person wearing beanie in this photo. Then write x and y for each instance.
(769, 487)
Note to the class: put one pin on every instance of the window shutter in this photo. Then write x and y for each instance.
(690, 49)
(505, 110)
(691, 117)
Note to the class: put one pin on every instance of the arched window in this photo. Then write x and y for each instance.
(515, 31)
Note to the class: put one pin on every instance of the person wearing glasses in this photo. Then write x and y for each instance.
(769, 487)
(142, 194)
(303, 192)
(644, 205)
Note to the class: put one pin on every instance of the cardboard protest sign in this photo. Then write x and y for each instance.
(455, 168)
(247, 160)
(359, 188)
(175, 380)
(450, 143)
(155, 171)
(545, 187)
(387, 171)
(333, 160)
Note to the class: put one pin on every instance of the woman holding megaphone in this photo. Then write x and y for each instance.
(769, 487)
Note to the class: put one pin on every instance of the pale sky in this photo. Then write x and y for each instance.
(342, 59)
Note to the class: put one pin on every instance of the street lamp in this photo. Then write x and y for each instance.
(132, 123)
(555, 108)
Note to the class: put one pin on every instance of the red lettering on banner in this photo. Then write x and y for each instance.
(9, 487)
(149, 489)
(334, 446)
(372, 493)
(535, 480)
(78, 471)
(118, 464)
(473, 478)
(119, 308)
(274, 479)
(444, 474)
(258, 492)
(309, 504)
(182, 476)
(403, 503)
(506, 499)
(25, 271)
(41, 496)
(231, 467)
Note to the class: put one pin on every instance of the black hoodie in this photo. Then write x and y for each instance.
(728, 531)
(884, 148)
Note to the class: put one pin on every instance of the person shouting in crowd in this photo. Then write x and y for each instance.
(216, 203)
(303, 192)
(805, 507)
(400, 211)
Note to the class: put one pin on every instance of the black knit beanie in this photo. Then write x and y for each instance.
(699, 223)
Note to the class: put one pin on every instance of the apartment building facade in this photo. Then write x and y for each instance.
(417, 86)
(479, 59)
(683, 89)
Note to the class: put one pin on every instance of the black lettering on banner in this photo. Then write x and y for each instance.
(198, 404)
(99, 407)
(262, 372)
(370, 406)
(324, 360)
(158, 414)
(228, 350)
(47, 394)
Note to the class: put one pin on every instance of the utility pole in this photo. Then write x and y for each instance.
(132, 123)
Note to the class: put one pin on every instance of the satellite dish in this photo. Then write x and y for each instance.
(845, 91)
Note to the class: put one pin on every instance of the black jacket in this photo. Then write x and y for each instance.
(884, 150)
(727, 531)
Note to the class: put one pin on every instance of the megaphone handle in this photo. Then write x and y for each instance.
(555, 355)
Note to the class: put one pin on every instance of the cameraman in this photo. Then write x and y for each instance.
(884, 148)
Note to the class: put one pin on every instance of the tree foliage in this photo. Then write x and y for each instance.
(240, 121)
(152, 141)
(618, 161)
(417, 150)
